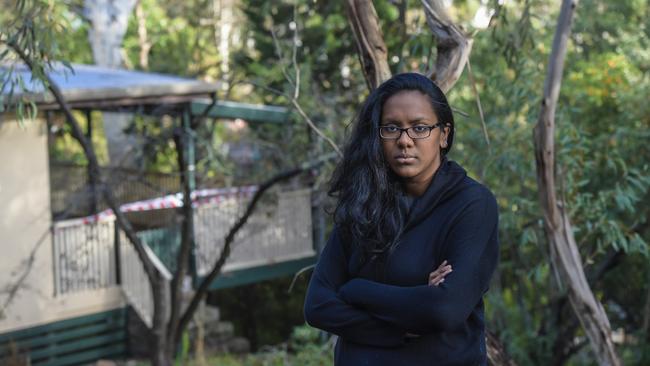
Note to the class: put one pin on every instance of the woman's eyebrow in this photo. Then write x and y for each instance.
(391, 121)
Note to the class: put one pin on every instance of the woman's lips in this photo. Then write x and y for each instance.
(405, 159)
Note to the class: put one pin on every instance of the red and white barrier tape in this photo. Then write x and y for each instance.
(199, 197)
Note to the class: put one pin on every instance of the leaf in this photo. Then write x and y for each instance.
(67, 66)
(20, 113)
(33, 110)
(637, 244)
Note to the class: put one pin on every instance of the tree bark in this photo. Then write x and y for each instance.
(162, 350)
(373, 53)
(143, 39)
(181, 136)
(453, 45)
(496, 353)
(565, 257)
(109, 21)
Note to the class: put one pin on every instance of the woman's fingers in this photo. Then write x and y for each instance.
(441, 271)
(438, 276)
(441, 268)
(436, 280)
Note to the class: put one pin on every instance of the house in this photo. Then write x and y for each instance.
(67, 281)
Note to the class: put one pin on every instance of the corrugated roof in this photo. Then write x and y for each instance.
(100, 87)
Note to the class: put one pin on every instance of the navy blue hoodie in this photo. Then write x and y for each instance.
(372, 308)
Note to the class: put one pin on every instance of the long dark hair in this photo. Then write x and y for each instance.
(367, 190)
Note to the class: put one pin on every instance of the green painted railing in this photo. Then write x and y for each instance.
(165, 243)
(249, 112)
(250, 275)
(69, 342)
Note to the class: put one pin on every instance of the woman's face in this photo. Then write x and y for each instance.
(414, 160)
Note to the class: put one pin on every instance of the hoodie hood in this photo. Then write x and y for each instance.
(445, 183)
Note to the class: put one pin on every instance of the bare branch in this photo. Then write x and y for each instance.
(316, 129)
(298, 274)
(278, 51)
(373, 53)
(478, 101)
(187, 233)
(302, 113)
(453, 45)
(294, 61)
(11, 290)
(565, 257)
(143, 39)
(296, 84)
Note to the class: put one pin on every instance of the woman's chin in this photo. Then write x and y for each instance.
(405, 172)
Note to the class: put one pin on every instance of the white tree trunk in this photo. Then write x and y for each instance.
(109, 20)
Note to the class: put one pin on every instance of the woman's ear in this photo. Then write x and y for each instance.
(444, 135)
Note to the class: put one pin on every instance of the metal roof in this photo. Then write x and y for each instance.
(91, 86)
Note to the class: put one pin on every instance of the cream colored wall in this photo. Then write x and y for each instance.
(25, 240)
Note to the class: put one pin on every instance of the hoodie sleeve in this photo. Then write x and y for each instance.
(324, 309)
(471, 247)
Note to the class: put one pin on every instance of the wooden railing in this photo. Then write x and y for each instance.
(84, 256)
(90, 256)
(134, 281)
(277, 231)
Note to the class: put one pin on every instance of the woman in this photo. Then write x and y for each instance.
(382, 283)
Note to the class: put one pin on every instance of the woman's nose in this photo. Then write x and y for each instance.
(404, 140)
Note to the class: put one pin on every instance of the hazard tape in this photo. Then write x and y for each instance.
(199, 197)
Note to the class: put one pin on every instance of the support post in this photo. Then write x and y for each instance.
(190, 174)
(118, 254)
(92, 180)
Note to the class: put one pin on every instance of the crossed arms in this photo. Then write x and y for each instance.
(378, 314)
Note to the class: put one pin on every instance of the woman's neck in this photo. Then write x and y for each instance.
(416, 188)
(417, 185)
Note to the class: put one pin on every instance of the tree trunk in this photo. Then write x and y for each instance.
(565, 257)
(496, 352)
(143, 39)
(181, 140)
(109, 21)
(162, 350)
(453, 45)
(373, 53)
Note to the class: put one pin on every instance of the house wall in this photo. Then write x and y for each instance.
(26, 274)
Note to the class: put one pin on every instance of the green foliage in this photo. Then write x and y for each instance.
(31, 26)
(602, 134)
(183, 355)
(304, 348)
(602, 154)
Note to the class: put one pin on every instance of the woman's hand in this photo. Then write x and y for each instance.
(438, 276)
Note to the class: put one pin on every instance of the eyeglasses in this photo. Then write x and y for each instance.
(391, 132)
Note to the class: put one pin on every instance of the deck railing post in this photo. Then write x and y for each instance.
(190, 161)
(118, 257)
(92, 179)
